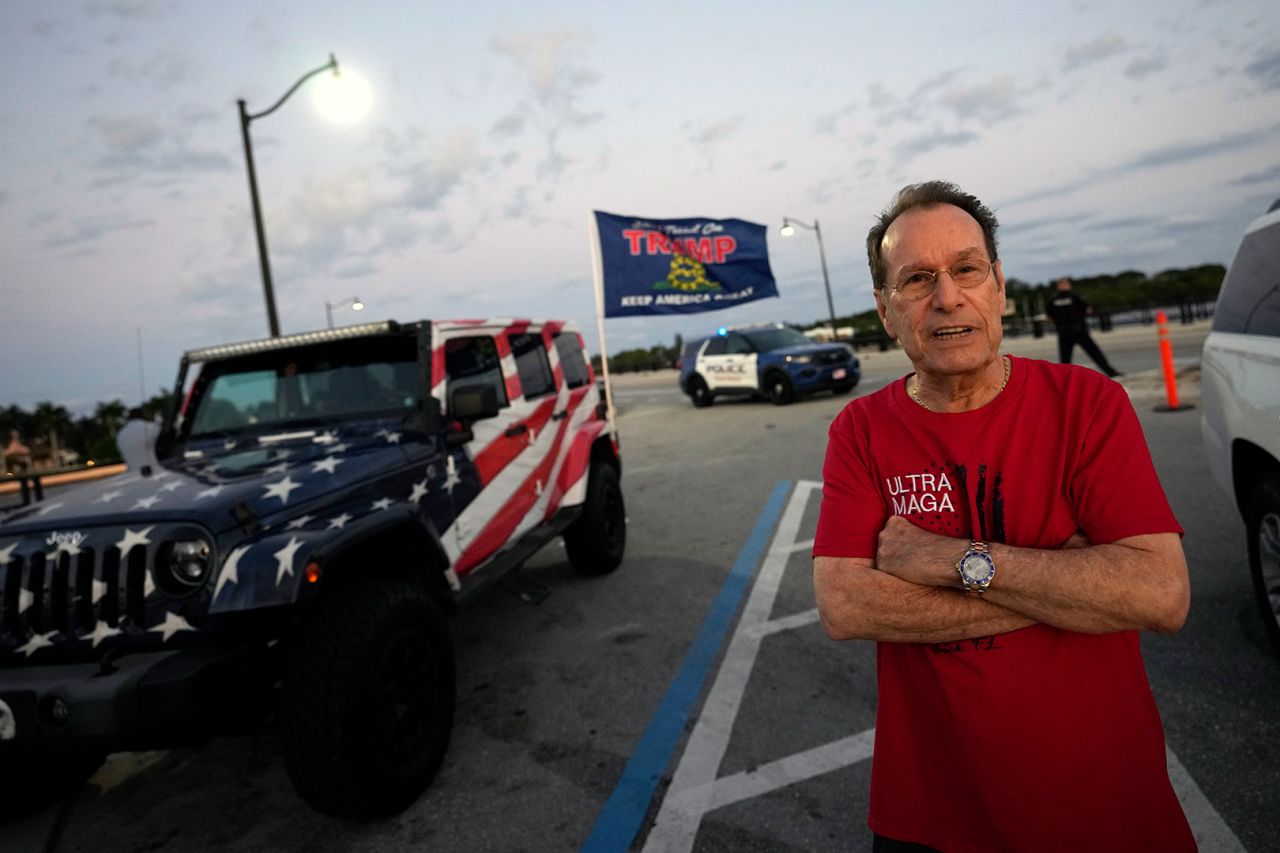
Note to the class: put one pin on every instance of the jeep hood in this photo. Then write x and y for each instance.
(217, 483)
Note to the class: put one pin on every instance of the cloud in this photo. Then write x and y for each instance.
(1265, 69)
(131, 10)
(1269, 175)
(1087, 53)
(992, 101)
(923, 143)
(165, 70)
(1143, 67)
(508, 126)
(552, 67)
(1166, 155)
(88, 230)
(144, 144)
(716, 131)
(828, 123)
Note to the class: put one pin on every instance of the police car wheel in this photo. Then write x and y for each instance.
(779, 389)
(368, 699)
(596, 541)
(699, 393)
(1263, 523)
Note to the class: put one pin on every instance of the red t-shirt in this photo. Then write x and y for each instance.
(1038, 739)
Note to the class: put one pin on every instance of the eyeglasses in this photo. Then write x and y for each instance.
(917, 284)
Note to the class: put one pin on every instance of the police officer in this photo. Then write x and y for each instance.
(1069, 312)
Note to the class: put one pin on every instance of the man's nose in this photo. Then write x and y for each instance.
(945, 289)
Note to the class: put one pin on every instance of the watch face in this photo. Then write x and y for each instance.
(977, 568)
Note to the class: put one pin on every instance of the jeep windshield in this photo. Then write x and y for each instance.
(765, 340)
(315, 386)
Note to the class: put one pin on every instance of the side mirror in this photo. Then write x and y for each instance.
(473, 402)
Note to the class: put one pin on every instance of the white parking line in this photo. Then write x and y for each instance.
(696, 789)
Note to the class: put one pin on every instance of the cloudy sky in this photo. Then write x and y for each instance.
(1107, 136)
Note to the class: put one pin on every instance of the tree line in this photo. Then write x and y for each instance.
(50, 430)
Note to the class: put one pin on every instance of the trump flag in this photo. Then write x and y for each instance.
(681, 266)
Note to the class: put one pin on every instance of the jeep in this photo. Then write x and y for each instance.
(322, 502)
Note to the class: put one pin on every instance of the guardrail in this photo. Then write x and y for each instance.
(33, 483)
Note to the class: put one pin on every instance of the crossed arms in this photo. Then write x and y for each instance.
(911, 592)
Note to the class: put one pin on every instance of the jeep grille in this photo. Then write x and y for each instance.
(71, 592)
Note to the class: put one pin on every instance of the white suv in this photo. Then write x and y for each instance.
(1240, 390)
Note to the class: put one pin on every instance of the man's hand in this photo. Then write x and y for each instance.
(916, 555)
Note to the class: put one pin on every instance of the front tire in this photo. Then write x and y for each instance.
(596, 541)
(778, 387)
(368, 700)
(1263, 523)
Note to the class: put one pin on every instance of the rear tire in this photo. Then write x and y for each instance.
(596, 541)
(368, 700)
(1263, 523)
(699, 393)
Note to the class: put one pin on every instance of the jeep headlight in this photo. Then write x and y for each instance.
(799, 359)
(187, 564)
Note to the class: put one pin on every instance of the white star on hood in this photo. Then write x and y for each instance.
(299, 522)
(282, 489)
(230, 569)
(384, 503)
(101, 631)
(48, 508)
(37, 642)
(419, 492)
(211, 492)
(130, 539)
(329, 464)
(6, 554)
(172, 624)
(146, 503)
(108, 497)
(339, 521)
(284, 559)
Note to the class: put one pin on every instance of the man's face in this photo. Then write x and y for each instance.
(954, 330)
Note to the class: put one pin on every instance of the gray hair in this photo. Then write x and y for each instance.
(927, 194)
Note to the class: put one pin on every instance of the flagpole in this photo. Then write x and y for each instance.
(597, 271)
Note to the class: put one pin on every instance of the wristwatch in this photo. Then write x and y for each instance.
(976, 568)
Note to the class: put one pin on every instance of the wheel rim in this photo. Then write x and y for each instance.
(404, 699)
(1269, 560)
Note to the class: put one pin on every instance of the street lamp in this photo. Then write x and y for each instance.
(353, 301)
(787, 230)
(245, 117)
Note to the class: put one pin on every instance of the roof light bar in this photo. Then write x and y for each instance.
(268, 344)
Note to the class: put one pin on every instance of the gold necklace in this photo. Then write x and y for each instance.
(914, 391)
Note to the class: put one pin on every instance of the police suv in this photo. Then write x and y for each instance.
(773, 360)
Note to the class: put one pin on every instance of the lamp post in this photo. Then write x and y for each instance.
(353, 301)
(273, 323)
(787, 230)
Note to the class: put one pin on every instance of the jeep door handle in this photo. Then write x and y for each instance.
(559, 416)
(515, 429)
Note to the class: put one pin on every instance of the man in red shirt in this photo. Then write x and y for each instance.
(996, 525)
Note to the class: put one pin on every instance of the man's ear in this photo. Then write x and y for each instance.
(882, 308)
(999, 274)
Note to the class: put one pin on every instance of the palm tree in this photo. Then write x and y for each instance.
(50, 420)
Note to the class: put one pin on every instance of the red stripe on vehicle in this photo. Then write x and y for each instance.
(505, 520)
(490, 461)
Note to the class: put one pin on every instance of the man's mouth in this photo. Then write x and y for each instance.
(952, 332)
